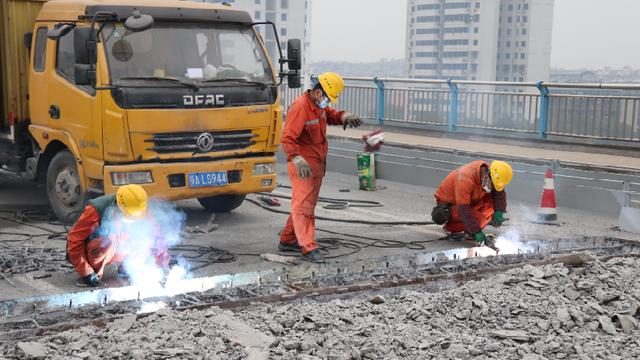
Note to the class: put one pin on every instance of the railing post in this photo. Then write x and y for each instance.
(544, 110)
(379, 100)
(626, 189)
(453, 108)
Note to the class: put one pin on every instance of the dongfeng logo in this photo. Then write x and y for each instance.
(206, 100)
(205, 142)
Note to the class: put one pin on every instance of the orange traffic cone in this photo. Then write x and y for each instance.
(548, 213)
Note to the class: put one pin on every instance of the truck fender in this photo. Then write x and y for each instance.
(52, 141)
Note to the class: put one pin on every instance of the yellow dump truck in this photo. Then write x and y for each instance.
(177, 96)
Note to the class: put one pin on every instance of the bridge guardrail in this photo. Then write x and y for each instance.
(607, 112)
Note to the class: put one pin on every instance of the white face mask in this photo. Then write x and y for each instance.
(486, 183)
(324, 103)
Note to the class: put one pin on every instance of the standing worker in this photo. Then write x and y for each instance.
(472, 197)
(91, 246)
(304, 141)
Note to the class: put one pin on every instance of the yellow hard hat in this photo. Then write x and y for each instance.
(501, 174)
(132, 201)
(332, 84)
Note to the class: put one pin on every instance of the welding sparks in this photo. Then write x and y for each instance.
(511, 243)
(152, 307)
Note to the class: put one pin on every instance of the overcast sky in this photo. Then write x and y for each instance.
(586, 33)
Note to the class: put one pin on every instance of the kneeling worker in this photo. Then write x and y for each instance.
(472, 197)
(90, 250)
(304, 141)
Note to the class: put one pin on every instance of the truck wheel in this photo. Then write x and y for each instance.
(221, 203)
(63, 186)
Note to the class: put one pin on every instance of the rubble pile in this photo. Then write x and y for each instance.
(166, 334)
(550, 312)
(547, 312)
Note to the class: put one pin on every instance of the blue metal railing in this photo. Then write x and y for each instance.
(531, 109)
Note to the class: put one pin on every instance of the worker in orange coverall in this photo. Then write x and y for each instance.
(471, 197)
(304, 141)
(89, 251)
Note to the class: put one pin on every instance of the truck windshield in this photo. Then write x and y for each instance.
(197, 52)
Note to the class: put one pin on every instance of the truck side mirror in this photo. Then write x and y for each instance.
(294, 61)
(294, 54)
(293, 80)
(84, 48)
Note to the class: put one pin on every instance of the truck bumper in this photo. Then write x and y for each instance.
(166, 184)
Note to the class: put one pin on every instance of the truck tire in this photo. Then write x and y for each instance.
(63, 186)
(221, 203)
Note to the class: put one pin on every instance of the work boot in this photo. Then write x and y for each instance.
(456, 237)
(91, 280)
(289, 247)
(80, 282)
(314, 256)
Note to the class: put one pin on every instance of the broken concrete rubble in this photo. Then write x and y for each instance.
(501, 317)
(32, 350)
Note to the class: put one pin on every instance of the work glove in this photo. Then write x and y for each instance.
(498, 218)
(91, 280)
(480, 238)
(303, 169)
(351, 120)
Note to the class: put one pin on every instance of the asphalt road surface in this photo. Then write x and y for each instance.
(250, 231)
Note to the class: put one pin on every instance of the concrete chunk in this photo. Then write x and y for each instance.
(256, 342)
(627, 323)
(32, 350)
(607, 325)
(563, 315)
(571, 294)
(534, 272)
(518, 335)
(458, 351)
(123, 325)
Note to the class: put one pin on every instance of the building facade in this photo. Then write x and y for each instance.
(506, 40)
(292, 19)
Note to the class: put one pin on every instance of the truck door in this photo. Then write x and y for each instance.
(74, 110)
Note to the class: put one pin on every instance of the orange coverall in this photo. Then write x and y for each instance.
(90, 254)
(471, 207)
(305, 134)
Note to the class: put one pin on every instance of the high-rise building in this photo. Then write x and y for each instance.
(506, 40)
(292, 19)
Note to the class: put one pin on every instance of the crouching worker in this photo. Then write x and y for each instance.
(472, 197)
(99, 236)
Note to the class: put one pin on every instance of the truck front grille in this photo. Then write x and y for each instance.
(201, 142)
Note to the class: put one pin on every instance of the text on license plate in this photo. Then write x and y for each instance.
(202, 179)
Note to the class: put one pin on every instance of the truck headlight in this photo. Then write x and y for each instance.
(263, 169)
(134, 177)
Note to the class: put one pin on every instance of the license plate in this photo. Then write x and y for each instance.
(204, 179)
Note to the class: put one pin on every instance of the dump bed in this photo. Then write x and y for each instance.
(16, 18)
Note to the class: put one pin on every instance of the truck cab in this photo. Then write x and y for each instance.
(177, 96)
